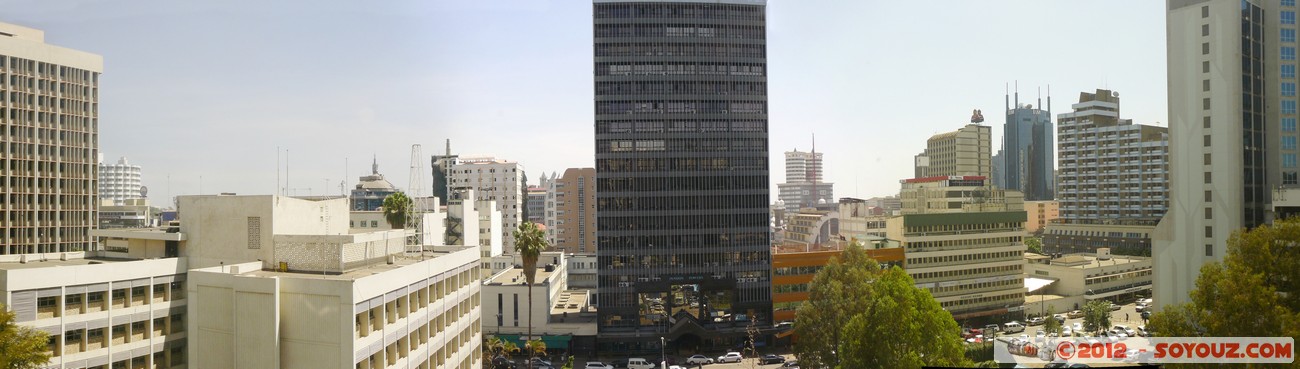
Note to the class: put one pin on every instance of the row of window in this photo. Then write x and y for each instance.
(1013, 283)
(681, 49)
(85, 340)
(683, 11)
(790, 288)
(680, 126)
(681, 164)
(797, 270)
(90, 302)
(681, 87)
(402, 348)
(737, 239)
(680, 30)
(979, 257)
(966, 227)
(683, 145)
(693, 183)
(1120, 276)
(756, 201)
(723, 221)
(982, 300)
(681, 107)
(680, 69)
(47, 70)
(963, 273)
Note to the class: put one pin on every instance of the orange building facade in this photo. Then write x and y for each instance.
(793, 271)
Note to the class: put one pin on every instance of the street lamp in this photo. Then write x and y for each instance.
(663, 356)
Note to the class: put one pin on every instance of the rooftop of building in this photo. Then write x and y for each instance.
(1085, 260)
(398, 261)
(572, 307)
(515, 277)
(159, 233)
(944, 178)
(36, 261)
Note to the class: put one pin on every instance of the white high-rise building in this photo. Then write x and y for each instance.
(1232, 129)
(494, 180)
(119, 182)
(804, 185)
(50, 113)
(1110, 169)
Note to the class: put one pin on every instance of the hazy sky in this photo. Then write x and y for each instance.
(211, 89)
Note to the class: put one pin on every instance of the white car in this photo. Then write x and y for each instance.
(699, 359)
(639, 363)
(1078, 327)
(597, 365)
(1126, 330)
(730, 357)
(1066, 331)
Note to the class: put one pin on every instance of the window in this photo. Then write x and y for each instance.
(1209, 213)
(1209, 197)
(1288, 17)
(1205, 48)
(1209, 232)
(1206, 122)
(1207, 177)
(1288, 142)
(374, 224)
(1205, 67)
(1207, 140)
(1288, 35)
(1288, 70)
(1288, 2)
(254, 232)
(1288, 106)
(1288, 53)
(1288, 160)
(1288, 88)
(1207, 158)
(1289, 178)
(1209, 250)
(1205, 12)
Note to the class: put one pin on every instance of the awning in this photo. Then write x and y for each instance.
(1033, 284)
(552, 342)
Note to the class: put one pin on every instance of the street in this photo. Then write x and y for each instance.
(1116, 318)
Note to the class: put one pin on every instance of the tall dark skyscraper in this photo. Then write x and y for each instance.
(681, 172)
(1028, 153)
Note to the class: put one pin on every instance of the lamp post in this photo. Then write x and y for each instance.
(663, 356)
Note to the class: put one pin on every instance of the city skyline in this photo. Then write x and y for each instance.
(294, 83)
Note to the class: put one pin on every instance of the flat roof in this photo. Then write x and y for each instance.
(159, 234)
(572, 307)
(55, 262)
(1086, 261)
(515, 277)
(358, 272)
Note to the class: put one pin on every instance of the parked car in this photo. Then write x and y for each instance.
(1036, 321)
(1142, 331)
(1075, 314)
(1146, 314)
(730, 357)
(991, 329)
(1125, 329)
(1066, 332)
(791, 364)
(639, 363)
(1059, 318)
(502, 362)
(597, 365)
(771, 359)
(1013, 327)
(698, 360)
(539, 363)
(1114, 307)
(619, 363)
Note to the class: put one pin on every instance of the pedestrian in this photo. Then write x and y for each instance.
(1126, 317)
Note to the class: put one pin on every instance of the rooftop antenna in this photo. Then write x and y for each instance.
(415, 183)
(812, 171)
(277, 172)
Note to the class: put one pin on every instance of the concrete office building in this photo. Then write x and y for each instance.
(804, 185)
(536, 204)
(1040, 214)
(681, 171)
(574, 207)
(1232, 113)
(582, 270)
(120, 182)
(562, 317)
(494, 180)
(1110, 168)
(371, 190)
(548, 206)
(1027, 153)
(964, 152)
(52, 116)
(860, 221)
(1075, 279)
(126, 213)
(963, 241)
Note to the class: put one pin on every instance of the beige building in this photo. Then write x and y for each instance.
(811, 228)
(1040, 214)
(861, 221)
(574, 226)
(494, 180)
(562, 317)
(1074, 279)
(51, 115)
(964, 242)
(964, 152)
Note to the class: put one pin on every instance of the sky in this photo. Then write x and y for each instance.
(237, 96)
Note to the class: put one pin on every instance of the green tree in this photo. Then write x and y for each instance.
(21, 347)
(396, 208)
(1251, 293)
(1096, 316)
(1034, 244)
(530, 241)
(1050, 324)
(860, 316)
(523, 184)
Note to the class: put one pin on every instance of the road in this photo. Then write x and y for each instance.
(1134, 319)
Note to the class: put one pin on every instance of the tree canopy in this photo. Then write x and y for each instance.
(396, 208)
(860, 316)
(20, 347)
(1050, 324)
(1096, 316)
(1034, 244)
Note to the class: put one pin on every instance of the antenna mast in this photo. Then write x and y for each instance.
(415, 184)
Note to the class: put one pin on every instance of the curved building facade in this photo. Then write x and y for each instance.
(681, 173)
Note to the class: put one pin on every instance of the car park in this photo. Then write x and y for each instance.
(1066, 332)
(699, 360)
(730, 357)
(1036, 321)
(1114, 307)
(791, 364)
(1125, 329)
(771, 359)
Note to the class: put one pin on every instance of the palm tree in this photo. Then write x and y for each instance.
(396, 207)
(530, 241)
(535, 347)
(493, 347)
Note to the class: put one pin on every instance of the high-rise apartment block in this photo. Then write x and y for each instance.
(964, 242)
(120, 182)
(494, 180)
(964, 152)
(1110, 168)
(574, 211)
(1027, 154)
(681, 172)
(1232, 129)
(536, 204)
(50, 115)
(804, 185)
